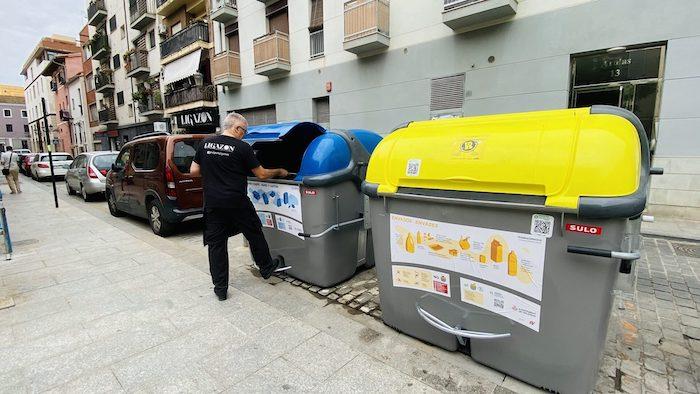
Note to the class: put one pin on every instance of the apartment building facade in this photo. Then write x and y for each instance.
(376, 64)
(38, 86)
(14, 127)
(124, 48)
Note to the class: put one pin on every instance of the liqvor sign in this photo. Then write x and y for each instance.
(203, 117)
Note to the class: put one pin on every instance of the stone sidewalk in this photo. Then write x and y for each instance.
(104, 304)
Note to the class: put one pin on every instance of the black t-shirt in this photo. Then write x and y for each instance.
(226, 163)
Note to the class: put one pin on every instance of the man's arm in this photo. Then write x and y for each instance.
(264, 173)
(195, 169)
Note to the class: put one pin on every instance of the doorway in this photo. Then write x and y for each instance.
(629, 78)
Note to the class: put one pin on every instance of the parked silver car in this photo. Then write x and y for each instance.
(87, 174)
(41, 169)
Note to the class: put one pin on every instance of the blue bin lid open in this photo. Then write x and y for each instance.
(277, 131)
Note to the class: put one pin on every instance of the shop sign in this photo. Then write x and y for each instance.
(198, 118)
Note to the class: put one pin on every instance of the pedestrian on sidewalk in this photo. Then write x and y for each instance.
(224, 163)
(10, 168)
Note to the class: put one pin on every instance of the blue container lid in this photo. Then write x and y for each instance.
(368, 139)
(327, 153)
(278, 131)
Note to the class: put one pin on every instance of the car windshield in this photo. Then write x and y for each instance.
(184, 153)
(57, 157)
(104, 162)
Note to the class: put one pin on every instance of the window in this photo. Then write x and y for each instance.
(322, 112)
(8, 127)
(7, 113)
(233, 41)
(123, 158)
(90, 82)
(116, 62)
(316, 20)
(151, 39)
(277, 17)
(113, 23)
(123, 32)
(72, 104)
(26, 129)
(24, 113)
(316, 29)
(120, 98)
(316, 43)
(184, 153)
(94, 115)
(146, 156)
(174, 29)
(86, 52)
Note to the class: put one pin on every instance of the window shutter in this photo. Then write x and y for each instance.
(316, 14)
(447, 93)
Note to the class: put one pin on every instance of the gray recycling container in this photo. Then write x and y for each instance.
(315, 219)
(502, 236)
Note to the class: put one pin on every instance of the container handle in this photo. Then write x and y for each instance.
(603, 253)
(444, 327)
(331, 228)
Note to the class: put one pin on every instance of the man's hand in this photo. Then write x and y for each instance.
(264, 173)
(283, 173)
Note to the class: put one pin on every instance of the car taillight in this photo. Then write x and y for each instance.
(103, 172)
(91, 173)
(42, 165)
(170, 182)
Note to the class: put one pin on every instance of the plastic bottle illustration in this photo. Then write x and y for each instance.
(496, 251)
(419, 238)
(512, 264)
(265, 199)
(464, 243)
(482, 258)
(410, 246)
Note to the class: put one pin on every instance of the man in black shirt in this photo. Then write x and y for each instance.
(224, 162)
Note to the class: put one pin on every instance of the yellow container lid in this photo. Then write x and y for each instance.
(562, 155)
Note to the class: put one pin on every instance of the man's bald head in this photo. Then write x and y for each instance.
(234, 125)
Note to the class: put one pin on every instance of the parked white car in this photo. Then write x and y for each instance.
(40, 168)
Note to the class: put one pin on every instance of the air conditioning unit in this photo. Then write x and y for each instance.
(162, 29)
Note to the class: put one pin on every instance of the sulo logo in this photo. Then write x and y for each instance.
(582, 228)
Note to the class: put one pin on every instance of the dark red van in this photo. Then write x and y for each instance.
(150, 179)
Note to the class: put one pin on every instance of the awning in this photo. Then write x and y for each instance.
(181, 68)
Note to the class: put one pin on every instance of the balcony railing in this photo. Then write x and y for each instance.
(64, 115)
(467, 15)
(137, 63)
(190, 95)
(142, 13)
(103, 81)
(366, 17)
(198, 31)
(271, 49)
(226, 68)
(316, 43)
(97, 12)
(151, 105)
(100, 47)
(224, 11)
(108, 115)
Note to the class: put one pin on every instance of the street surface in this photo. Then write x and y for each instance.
(103, 305)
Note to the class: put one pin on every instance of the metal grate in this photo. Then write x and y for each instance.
(687, 250)
(447, 92)
(316, 43)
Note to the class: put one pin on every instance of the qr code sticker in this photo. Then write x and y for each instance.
(498, 303)
(413, 167)
(542, 225)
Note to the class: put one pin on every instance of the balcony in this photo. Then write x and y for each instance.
(104, 82)
(195, 36)
(366, 26)
(224, 11)
(97, 12)
(316, 43)
(226, 69)
(271, 53)
(463, 15)
(142, 13)
(64, 115)
(192, 97)
(108, 116)
(151, 105)
(168, 7)
(137, 64)
(100, 47)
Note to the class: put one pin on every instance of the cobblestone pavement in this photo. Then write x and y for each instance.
(101, 303)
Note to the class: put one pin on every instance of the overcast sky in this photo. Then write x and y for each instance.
(24, 22)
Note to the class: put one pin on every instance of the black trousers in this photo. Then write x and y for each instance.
(222, 223)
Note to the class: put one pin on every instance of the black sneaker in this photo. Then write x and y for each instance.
(221, 297)
(277, 266)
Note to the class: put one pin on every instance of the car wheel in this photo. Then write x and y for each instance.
(112, 204)
(158, 223)
(86, 197)
(69, 190)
